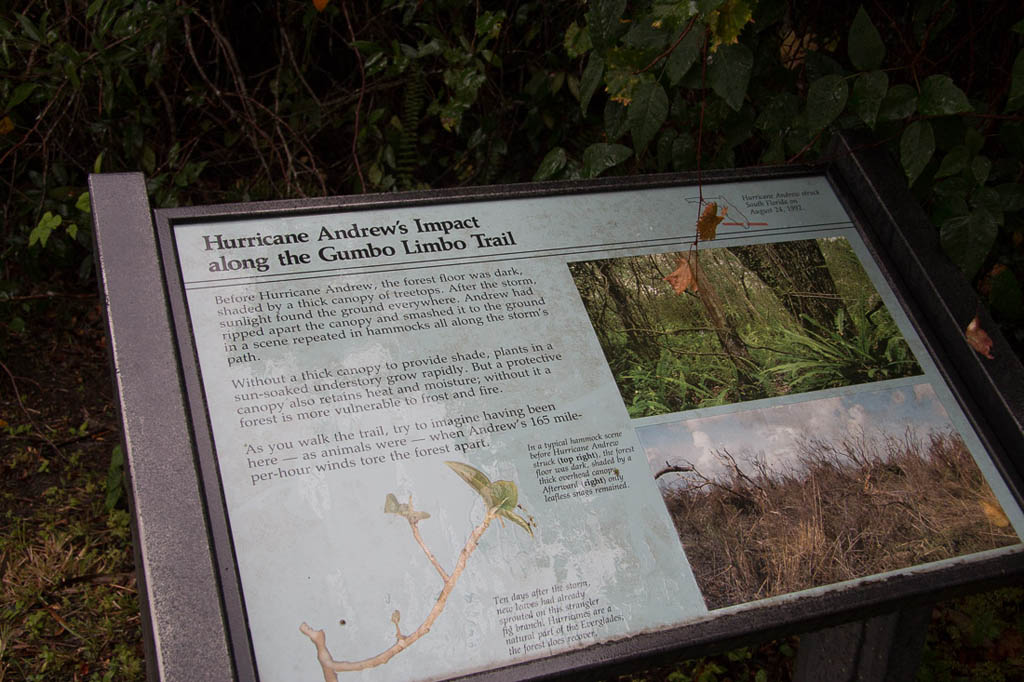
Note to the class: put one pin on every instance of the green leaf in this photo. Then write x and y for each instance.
(41, 232)
(516, 519)
(603, 22)
(29, 28)
(476, 479)
(899, 103)
(729, 73)
(553, 162)
(826, 99)
(615, 120)
(864, 43)
(1011, 196)
(591, 80)
(599, 157)
(83, 204)
(115, 479)
(646, 113)
(941, 97)
(643, 36)
(501, 495)
(866, 97)
(968, 239)
(20, 94)
(72, 230)
(685, 55)
(1015, 100)
(917, 144)
(706, 7)
(577, 41)
(953, 163)
(981, 166)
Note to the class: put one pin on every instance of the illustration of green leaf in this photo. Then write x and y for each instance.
(516, 519)
(391, 505)
(502, 495)
(476, 479)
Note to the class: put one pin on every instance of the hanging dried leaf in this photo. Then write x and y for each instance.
(682, 278)
(979, 339)
(320, 5)
(707, 224)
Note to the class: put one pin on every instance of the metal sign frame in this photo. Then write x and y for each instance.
(193, 613)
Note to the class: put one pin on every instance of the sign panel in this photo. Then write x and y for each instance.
(452, 437)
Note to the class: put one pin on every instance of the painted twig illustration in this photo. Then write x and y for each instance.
(500, 498)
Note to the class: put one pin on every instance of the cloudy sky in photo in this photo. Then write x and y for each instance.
(774, 431)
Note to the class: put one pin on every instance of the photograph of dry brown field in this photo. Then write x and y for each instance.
(739, 323)
(772, 501)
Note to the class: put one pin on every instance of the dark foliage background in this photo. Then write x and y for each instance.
(255, 99)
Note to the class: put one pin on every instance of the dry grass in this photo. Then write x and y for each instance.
(846, 510)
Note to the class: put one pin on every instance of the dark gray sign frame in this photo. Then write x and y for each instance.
(192, 608)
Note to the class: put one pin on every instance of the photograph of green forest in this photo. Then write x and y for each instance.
(772, 501)
(755, 321)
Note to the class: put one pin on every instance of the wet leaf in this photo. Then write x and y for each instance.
(553, 162)
(603, 22)
(864, 43)
(729, 73)
(685, 55)
(968, 239)
(899, 103)
(1016, 98)
(826, 99)
(866, 98)
(917, 144)
(646, 113)
(979, 339)
(599, 157)
(707, 224)
(476, 479)
(953, 163)
(682, 278)
(941, 97)
(591, 79)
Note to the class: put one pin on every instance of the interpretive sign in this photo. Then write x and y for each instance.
(443, 436)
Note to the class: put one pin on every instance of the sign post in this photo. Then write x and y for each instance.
(511, 432)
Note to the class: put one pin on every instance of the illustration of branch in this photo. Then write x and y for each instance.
(501, 500)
